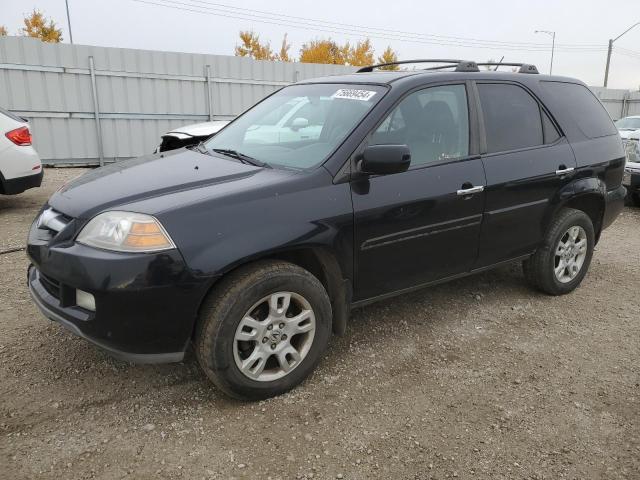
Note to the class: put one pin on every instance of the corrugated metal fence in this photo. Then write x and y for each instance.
(83, 100)
(87, 102)
(619, 103)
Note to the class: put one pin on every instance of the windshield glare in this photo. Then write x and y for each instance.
(300, 125)
(628, 123)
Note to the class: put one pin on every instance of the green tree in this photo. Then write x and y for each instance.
(36, 25)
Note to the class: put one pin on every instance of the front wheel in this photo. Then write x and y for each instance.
(263, 330)
(563, 259)
(635, 199)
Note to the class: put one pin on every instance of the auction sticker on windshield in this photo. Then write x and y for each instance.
(353, 94)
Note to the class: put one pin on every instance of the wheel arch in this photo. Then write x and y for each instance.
(321, 263)
(586, 195)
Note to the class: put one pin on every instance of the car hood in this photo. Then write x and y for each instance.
(153, 177)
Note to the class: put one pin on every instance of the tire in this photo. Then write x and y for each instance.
(635, 199)
(540, 268)
(256, 295)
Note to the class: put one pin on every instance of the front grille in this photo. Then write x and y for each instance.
(53, 221)
(50, 285)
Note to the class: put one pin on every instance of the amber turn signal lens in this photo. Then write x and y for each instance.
(144, 229)
(146, 235)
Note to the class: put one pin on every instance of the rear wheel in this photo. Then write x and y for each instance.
(635, 199)
(263, 330)
(562, 261)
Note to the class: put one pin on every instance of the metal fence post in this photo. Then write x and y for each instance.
(625, 104)
(207, 70)
(96, 109)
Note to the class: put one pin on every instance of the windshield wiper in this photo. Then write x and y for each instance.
(242, 157)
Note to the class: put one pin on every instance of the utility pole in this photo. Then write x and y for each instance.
(610, 50)
(69, 21)
(553, 46)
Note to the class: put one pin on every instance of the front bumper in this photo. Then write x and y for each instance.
(146, 304)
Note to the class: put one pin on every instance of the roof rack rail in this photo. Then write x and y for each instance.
(524, 67)
(460, 65)
(457, 65)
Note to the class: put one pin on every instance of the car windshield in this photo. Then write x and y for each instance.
(628, 123)
(299, 126)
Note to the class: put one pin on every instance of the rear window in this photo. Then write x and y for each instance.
(583, 106)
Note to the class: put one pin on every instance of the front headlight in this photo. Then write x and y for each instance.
(125, 232)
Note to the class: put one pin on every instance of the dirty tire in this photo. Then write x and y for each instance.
(539, 268)
(227, 304)
(635, 199)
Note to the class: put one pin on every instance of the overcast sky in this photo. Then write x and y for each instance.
(482, 29)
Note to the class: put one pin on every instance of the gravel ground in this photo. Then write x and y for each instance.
(479, 378)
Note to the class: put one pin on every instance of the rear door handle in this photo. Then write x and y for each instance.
(470, 191)
(564, 171)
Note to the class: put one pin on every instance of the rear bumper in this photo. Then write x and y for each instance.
(614, 203)
(13, 186)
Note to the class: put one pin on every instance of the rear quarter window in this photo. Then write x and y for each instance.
(583, 107)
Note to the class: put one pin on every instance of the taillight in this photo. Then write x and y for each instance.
(20, 136)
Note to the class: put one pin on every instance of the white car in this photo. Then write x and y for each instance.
(20, 166)
(627, 125)
(189, 135)
(631, 178)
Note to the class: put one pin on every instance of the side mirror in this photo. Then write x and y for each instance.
(299, 123)
(385, 159)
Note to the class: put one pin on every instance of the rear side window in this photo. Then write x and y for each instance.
(585, 109)
(511, 117)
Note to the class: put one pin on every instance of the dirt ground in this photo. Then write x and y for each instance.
(479, 378)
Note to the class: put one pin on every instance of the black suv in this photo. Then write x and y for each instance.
(328, 194)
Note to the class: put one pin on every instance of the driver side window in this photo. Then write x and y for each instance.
(433, 123)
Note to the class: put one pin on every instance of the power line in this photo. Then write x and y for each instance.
(278, 16)
(190, 7)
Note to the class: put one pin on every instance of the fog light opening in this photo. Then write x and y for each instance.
(85, 300)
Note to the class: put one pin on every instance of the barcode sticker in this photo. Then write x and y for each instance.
(353, 94)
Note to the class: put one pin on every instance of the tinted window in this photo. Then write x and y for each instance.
(511, 117)
(433, 123)
(584, 108)
(551, 134)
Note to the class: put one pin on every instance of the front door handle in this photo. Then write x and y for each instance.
(470, 191)
(562, 170)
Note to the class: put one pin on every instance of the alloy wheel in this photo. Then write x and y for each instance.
(274, 336)
(570, 254)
